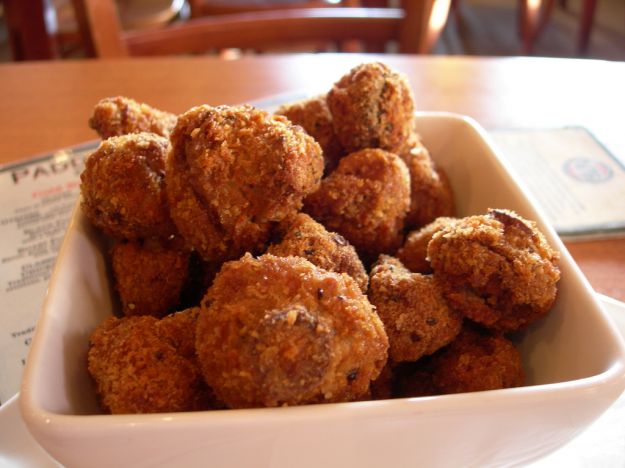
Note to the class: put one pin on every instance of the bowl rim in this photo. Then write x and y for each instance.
(614, 376)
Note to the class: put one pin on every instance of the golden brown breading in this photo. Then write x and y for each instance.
(314, 116)
(413, 254)
(123, 187)
(430, 193)
(149, 276)
(139, 368)
(178, 329)
(372, 107)
(497, 269)
(233, 172)
(366, 200)
(416, 317)
(119, 115)
(279, 331)
(304, 237)
(477, 360)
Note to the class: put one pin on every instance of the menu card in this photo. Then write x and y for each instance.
(38, 197)
(577, 182)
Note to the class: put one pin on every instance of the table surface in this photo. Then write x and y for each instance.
(45, 105)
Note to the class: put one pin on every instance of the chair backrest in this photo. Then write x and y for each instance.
(224, 7)
(415, 26)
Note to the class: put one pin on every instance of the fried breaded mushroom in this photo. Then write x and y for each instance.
(497, 269)
(278, 331)
(372, 107)
(179, 330)
(119, 115)
(314, 116)
(141, 367)
(477, 360)
(365, 200)
(149, 276)
(304, 237)
(233, 173)
(413, 254)
(123, 187)
(416, 317)
(430, 193)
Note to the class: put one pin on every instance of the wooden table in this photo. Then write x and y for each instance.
(45, 105)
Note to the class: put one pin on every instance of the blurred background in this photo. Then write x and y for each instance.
(473, 27)
(489, 27)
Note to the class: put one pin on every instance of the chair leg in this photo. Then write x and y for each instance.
(533, 17)
(427, 20)
(528, 20)
(26, 30)
(545, 14)
(588, 16)
(83, 27)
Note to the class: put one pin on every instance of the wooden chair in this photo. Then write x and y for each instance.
(201, 8)
(52, 29)
(416, 27)
(27, 30)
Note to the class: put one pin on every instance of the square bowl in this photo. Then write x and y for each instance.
(574, 361)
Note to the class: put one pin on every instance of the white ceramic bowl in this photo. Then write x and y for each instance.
(574, 360)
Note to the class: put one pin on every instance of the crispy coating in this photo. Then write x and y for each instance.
(366, 200)
(278, 331)
(123, 187)
(416, 317)
(149, 276)
(372, 107)
(314, 116)
(142, 365)
(497, 269)
(413, 254)
(304, 237)
(178, 329)
(119, 115)
(477, 360)
(430, 192)
(233, 172)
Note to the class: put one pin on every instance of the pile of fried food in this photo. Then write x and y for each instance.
(301, 257)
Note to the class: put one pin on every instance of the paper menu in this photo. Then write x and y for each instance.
(38, 197)
(578, 183)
